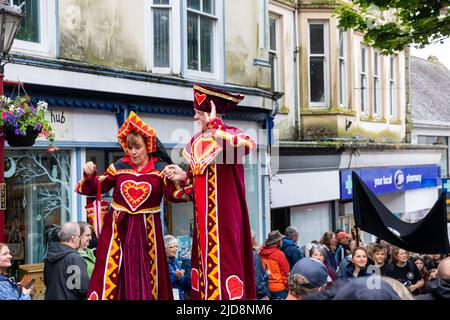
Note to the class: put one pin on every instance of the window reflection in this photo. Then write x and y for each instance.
(38, 195)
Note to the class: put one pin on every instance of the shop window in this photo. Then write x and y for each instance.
(346, 221)
(280, 219)
(312, 221)
(39, 194)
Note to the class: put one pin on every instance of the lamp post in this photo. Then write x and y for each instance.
(10, 19)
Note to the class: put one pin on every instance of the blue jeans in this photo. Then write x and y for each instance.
(278, 295)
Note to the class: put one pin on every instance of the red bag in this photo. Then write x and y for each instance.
(96, 210)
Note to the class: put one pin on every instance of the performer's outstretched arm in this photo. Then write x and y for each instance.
(177, 184)
(87, 185)
(230, 138)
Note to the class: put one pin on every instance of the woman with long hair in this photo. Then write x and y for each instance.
(329, 241)
(405, 271)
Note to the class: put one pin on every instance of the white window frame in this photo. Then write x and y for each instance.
(218, 46)
(276, 52)
(325, 104)
(392, 95)
(363, 77)
(47, 33)
(174, 33)
(376, 83)
(343, 99)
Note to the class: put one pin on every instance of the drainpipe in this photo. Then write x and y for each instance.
(408, 114)
(296, 76)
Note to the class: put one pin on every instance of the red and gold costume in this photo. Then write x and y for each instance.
(222, 258)
(131, 262)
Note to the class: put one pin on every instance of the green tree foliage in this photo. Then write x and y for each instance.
(412, 22)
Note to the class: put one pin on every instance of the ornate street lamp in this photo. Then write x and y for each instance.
(10, 20)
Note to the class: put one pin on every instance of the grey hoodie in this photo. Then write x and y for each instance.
(65, 273)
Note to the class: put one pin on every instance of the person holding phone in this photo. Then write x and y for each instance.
(9, 289)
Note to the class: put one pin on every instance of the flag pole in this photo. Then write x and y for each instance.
(357, 236)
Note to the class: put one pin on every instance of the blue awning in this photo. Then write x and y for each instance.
(65, 97)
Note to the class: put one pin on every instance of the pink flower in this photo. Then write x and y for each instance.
(52, 148)
(5, 115)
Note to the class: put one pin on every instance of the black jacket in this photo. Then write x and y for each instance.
(438, 290)
(65, 274)
(346, 269)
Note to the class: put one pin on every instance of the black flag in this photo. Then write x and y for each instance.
(428, 235)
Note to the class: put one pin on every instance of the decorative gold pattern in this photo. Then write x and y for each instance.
(211, 270)
(152, 255)
(217, 94)
(112, 265)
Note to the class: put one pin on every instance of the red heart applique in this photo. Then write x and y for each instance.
(235, 287)
(93, 296)
(195, 279)
(200, 97)
(135, 193)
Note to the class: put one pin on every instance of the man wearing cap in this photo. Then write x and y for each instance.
(343, 240)
(307, 276)
(222, 259)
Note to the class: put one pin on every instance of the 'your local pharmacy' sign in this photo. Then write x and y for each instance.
(387, 180)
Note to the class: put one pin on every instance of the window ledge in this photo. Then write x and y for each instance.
(395, 121)
(372, 119)
(283, 110)
(330, 111)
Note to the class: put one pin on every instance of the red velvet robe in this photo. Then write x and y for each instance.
(222, 258)
(131, 262)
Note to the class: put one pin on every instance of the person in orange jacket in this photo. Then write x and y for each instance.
(275, 262)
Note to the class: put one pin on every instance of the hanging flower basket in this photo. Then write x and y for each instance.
(23, 123)
(20, 140)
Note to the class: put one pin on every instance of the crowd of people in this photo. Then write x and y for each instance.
(70, 261)
(332, 268)
(340, 266)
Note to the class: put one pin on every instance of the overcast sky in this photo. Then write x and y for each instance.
(441, 51)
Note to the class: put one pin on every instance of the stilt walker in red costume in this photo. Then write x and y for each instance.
(131, 262)
(222, 259)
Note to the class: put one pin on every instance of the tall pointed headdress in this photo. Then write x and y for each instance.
(134, 123)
